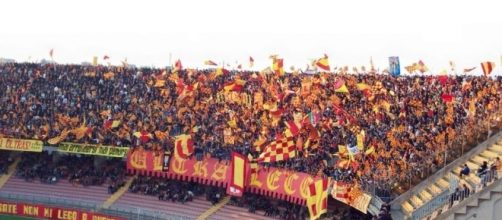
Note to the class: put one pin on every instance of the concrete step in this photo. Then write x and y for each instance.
(489, 154)
(496, 148)
(434, 189)
(425, 196)
(407, 207)
(479, 160)
(416, 202)
(443, 184)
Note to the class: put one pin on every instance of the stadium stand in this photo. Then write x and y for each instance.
(380, 132)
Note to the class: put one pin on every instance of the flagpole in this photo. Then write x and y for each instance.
(170, 59)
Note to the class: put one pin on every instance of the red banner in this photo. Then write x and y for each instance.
(277, 183)
(145, 160)
(45, 212)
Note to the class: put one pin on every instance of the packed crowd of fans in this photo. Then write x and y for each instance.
(78, 170)
(169, 190)
(5, 162)
(408, 122)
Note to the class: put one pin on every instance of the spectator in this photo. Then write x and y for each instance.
(466, 191)
(465, 171)
(495, 167)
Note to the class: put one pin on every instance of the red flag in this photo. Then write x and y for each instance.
(237, 175)
(177, 65)
(447, 97)
(277, 113)
(106, 57)
(293, 129)
(443, 79)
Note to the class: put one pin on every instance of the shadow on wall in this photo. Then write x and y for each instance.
(497, 209)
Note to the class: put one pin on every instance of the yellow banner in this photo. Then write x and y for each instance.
(92, 149)
(21, 145)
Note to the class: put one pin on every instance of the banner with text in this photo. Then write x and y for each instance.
(278, 183)
(21, 145)
(93, 149)
(45, 212)
(143, 161)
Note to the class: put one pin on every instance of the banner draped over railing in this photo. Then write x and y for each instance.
(93, 149)
(21, 145)
(46, 212)
(274, 182)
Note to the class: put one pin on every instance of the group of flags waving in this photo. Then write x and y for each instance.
(321, 64)
(487, 67)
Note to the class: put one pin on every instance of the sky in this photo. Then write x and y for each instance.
(156, 33)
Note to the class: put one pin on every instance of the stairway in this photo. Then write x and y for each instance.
(10, 172)
(119, 193)
(484, 205)
(424, 193)
(214, 208)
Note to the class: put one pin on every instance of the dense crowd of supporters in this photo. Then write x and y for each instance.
(402, 125)
(5, 162)
(78, 170)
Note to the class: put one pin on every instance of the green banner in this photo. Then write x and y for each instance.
(93, 149)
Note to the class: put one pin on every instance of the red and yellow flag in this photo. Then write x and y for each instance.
(278, 66)
(143, 136)
(210, 63)
(183, 146)
(278, 150)
(221, 71)
(487, 67)
(317, 202)
(236, 86)
(292, 129)
(237, 175)
(323, 63)
(340, 86)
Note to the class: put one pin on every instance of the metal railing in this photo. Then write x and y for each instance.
(431, 206)
(446, 198)
(126, 212)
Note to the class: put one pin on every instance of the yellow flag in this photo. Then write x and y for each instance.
(95, 61)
